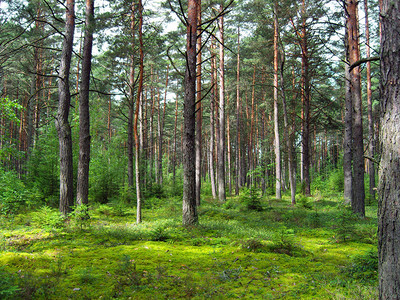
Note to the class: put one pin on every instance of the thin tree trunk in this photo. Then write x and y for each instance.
(161, 137)
(189, 212)
(288, 138)
(137, 143)
(131, 101)
(276, 113)
(237, 150)
(221, 141)
(212, 126)
(199, 112)
(228, 134)
(348, 131)
(84, 119)
(62, 124)
(389, 168)
(306, 105)
(174, 153)
(371, 129)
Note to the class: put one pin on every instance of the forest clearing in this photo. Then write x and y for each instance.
(176, 149)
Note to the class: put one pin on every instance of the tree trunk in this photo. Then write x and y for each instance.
(389, 169)
(237, 150)
(212, 126)
(228, 135)
(62, 124)
(137, 143)
(348, 131)
(306, 105)
(189, 216)
(221, 141)
(288, 137)
(174, 153)
(371, 130)
(199, 112)
(276, 122)
(84, 120)
(358, 198)
(131, 101)
(161, 137)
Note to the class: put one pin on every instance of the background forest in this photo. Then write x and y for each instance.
(282, 131)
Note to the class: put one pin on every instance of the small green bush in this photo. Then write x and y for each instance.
(12, 193)
(251, 199)
(48, 218)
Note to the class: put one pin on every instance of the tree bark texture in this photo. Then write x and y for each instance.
(62, 124)
(389, 169)
(199, 112)
(84, 118)
(358, 198)
(348, 131)
(135, 125)
(221, 140)
(237, 150)
(189, 211)
(276, 112)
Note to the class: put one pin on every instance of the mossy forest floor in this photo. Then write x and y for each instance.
(314, 250)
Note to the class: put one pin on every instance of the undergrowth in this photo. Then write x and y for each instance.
(314, 250)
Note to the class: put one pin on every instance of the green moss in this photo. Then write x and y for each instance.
(230, 254)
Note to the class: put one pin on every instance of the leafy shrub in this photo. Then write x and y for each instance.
(48, 218)
(12, 193)
(80, 217)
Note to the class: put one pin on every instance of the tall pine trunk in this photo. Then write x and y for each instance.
(358, 198)
(199, 112)
(84, 119)
(189, 212)
(276, 122)
(135, 126)
(221, 139)
(237, 150)
(62, 124)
